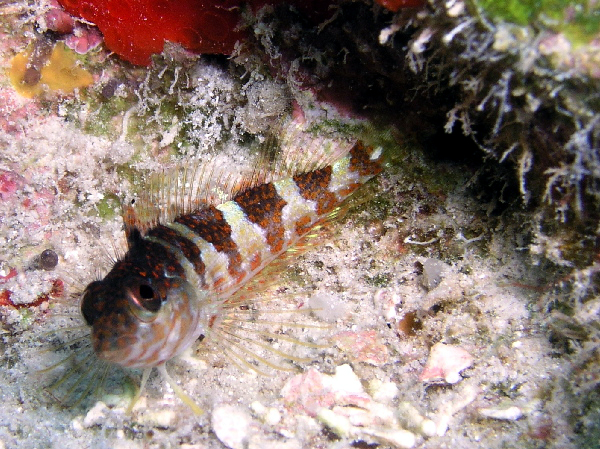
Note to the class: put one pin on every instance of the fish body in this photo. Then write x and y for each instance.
(168, 289)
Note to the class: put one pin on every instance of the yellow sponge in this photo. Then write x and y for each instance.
(60, 73)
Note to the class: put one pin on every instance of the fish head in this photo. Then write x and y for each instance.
(141, 322)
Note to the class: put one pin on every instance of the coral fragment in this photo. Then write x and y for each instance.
(445, 363)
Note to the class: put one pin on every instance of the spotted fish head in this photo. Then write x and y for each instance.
(141, 322)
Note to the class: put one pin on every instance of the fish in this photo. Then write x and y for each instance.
(185, 268)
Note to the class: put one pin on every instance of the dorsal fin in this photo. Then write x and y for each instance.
(187, 186)
(302, 149)
(287, 150)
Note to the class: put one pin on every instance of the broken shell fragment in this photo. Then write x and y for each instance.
(433, 271)
(363, 346)
(413, 420)
(231, 425)
(506, 414)
(445, 364)
(396, 438)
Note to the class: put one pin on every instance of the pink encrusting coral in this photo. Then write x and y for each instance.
(83, 39)
(78, 36)
(14, 113)
(57, 19)
(10, 182)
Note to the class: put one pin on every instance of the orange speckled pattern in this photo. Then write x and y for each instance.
(210, 225)
(161, 295)
(314, 187)
(360, 161)
(263, 206)
(187, 247)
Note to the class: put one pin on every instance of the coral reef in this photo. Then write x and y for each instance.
(460, 293)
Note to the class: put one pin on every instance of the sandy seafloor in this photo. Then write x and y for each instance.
(366, 273)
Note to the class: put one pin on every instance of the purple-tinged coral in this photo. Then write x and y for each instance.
(84, 39)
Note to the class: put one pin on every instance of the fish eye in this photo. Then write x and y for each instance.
(149, 299)
(146, 292)
(146, 297)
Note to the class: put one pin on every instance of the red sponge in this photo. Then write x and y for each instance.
(136, 29)
(396, 5)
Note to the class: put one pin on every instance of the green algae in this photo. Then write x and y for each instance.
(379, 280)
(327, 126)
(102, 121)
(579, 20)
(109, 206)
